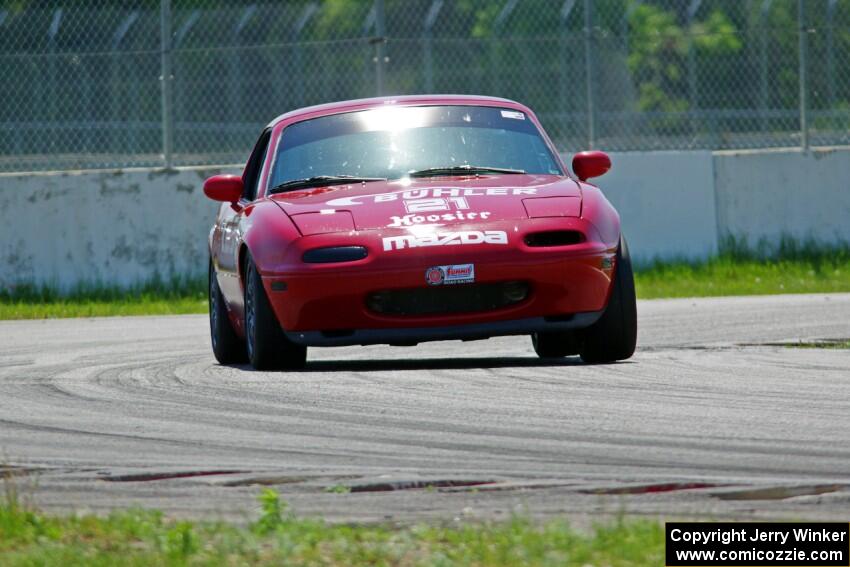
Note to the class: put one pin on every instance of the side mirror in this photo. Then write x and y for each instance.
(225, 188)
(591, 164)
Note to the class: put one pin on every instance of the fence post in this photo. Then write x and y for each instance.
(588, 67)
(298, 55)
(564, 85)
(166, 79)
(122, 132)
(17, 149)
(52, 31)
(765, 34)
(693, 98)
(830, 54)
(428, 43)
(495, 59)
(177, 88)
(380, 44)
(235, 78)
(804, 111)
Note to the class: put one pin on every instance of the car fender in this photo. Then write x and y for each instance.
(599, 212)
(266, 232)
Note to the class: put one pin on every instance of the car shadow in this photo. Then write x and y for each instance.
(438, 364)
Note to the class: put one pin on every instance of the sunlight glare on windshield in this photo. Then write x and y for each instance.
(394, 119)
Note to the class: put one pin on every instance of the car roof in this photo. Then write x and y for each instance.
(407, 100)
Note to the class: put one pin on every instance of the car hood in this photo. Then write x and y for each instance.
(431, 201)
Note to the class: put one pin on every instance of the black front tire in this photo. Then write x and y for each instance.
(614, 335)
(226, 344)
(267, 345)
(555, 344)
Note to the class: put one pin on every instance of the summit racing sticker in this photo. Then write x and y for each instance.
(460, 238)
(450, 275)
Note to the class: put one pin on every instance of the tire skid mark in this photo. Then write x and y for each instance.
(651, 488)
(780, 492)
(177, 442)
(153, 476)
(417, 484)
(358, 419)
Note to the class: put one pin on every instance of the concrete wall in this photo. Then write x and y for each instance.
(125, 227)
(685, 204)
(110, 227)
(666, 202)
(766, 194)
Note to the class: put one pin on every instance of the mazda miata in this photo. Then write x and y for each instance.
(409, 219)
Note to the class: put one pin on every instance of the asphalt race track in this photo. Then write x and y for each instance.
(706, 420)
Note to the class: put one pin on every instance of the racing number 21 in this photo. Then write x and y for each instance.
(430, 205)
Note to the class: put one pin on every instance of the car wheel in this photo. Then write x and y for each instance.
(555, 344)
(226, 345)
(614, 335)
(267, 345)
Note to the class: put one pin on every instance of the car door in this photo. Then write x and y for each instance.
(228, 232)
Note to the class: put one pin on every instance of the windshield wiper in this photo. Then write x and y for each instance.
(320, 181)
(467, 169)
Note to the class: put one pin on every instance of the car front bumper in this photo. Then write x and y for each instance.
(328, 304)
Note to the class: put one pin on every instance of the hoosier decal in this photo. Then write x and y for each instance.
(410, 220)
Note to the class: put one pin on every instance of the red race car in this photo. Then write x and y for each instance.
(410, 219)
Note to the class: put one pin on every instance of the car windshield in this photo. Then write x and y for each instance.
(392, 142)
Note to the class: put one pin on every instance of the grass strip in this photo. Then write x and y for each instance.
(82, 307)
(727, 276)
(158, 297)
(138, 537)
(787, 265)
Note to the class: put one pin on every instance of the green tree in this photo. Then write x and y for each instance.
(656, 59)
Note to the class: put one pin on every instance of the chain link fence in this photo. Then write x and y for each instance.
(97, 84)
